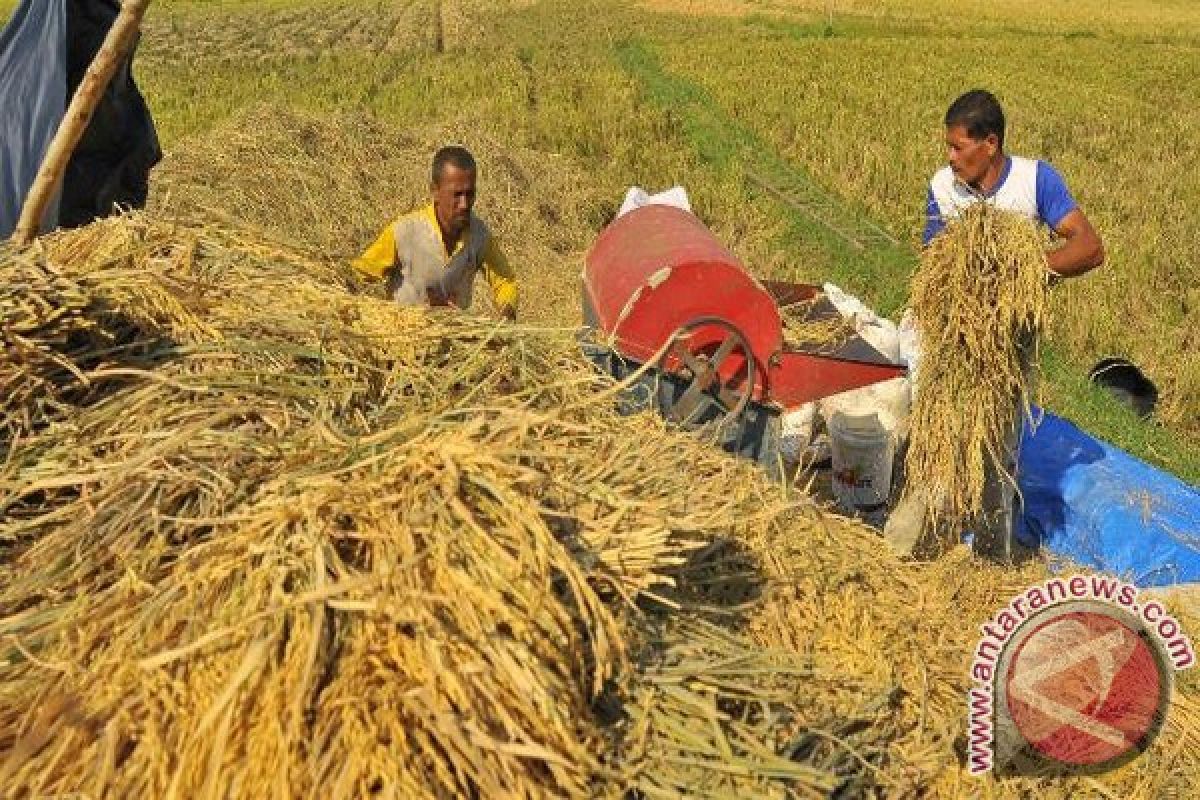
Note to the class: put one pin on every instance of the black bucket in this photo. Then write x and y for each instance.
(1124, 381)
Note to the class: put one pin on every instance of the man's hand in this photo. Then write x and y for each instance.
(1082, 251)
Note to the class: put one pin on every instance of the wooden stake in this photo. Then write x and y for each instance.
(79, 114)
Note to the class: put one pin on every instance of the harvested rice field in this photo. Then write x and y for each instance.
(264, 533)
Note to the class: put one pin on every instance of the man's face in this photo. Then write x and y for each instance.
(453, 197)
(970, 158)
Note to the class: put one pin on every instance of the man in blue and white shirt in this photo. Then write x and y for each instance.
(979, 171)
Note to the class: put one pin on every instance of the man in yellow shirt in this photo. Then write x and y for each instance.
(431, 255)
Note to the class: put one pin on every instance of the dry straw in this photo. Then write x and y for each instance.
(980, 298)
(822, 335)
(322, 545)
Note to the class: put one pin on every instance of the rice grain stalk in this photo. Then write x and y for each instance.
(814, 335)
(980, 298)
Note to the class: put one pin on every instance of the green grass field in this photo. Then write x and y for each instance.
(840, 102)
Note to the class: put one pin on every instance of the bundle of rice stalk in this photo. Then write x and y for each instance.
(250, 293)
(89, 309)
(212, 300)
(357, 361)
(44, 334)
(62, 330)
(395, 615)
(980, 298)
(714, 716)
(802, 332)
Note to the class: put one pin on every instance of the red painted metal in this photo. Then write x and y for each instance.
(801, 378)
(658, 268)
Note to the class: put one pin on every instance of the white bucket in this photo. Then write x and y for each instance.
(863, 451)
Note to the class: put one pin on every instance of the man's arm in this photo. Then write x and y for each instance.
(380, 257)
(1082, 249)
(501, 279)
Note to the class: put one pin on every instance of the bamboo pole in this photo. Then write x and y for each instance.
(79, 114)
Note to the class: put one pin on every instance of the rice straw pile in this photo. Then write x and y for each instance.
(820, 335)
(720, 718)
(44, 334)
(323, 545)
(980, 296)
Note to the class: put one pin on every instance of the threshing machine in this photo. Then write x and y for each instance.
(662, 296)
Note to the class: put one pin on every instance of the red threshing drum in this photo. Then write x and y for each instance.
(657, 268)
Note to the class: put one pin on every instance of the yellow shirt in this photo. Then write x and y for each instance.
(412, 257)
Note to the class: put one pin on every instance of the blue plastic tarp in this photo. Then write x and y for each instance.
(45, 50)
(33, 96)
(1093, 504)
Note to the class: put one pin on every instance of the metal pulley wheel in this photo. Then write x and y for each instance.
(700, 366)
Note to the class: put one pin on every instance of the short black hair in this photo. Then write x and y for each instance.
(452, 154)
(979, 112)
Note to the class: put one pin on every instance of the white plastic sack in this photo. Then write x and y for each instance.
(883, 336)
(889, 401)
(637, 197)
(848, 305)
(796, 432)
(879, 332)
